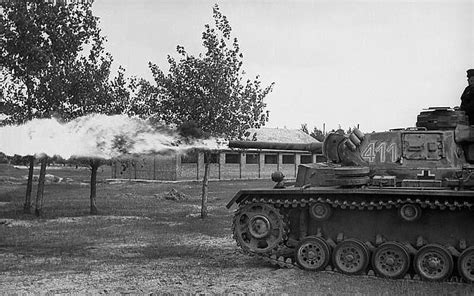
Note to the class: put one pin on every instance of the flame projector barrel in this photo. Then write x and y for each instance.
(315, 147)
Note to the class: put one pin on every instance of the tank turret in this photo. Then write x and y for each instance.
(409, 157)
(397, 202)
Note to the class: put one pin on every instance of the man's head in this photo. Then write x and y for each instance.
(470, 76)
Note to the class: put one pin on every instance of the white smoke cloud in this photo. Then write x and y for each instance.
(97, 135)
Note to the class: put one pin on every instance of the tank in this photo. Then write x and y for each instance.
(395, 204)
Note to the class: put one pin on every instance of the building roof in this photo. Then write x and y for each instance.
(281, 135)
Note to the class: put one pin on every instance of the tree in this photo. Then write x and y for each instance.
(131, 95)
(40, 191)
(304, 128)
(40, 51)
(51, 60)
(190, 131)
(210, 89)
(316, 133)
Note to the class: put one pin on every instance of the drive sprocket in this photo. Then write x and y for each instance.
(259, 228)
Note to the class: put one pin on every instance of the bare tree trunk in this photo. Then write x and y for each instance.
(205, 189)
(29, 186)
(94, 166)
(39, 193)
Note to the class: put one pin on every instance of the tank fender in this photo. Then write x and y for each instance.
(238, 198)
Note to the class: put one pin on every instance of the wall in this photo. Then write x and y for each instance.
(149, 167)
(171, 167)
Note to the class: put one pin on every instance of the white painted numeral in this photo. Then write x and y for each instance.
(371, 151)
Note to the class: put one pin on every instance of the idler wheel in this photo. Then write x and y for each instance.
(466, 264)
(410, 212)
(320, 211)
(313, 253)
(258, 228)
(351, 256)
(391, 260)
(433, 263)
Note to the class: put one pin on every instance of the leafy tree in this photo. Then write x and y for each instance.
(131, 95)
(40, 52)
(210, 89)
(52, 59)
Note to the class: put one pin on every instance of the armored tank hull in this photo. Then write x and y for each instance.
(396, 204)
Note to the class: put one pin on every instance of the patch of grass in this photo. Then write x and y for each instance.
(10, 193)
(134, 223)
(141, 241)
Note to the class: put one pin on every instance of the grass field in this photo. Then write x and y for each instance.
(142, 243)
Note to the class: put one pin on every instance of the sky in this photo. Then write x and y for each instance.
(372, 64)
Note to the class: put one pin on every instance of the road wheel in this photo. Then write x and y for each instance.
(313, 253)
(466, 264)
(351, 257)
(391, 260)
(433, 263)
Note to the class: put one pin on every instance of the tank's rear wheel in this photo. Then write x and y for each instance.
(391, 260)
(259, 228)
(351, 257)
(313, 253)
(466, 264)
(433, 263)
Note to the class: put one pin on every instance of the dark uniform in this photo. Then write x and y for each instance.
(467, 99)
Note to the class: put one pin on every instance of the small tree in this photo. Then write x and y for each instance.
(210, 89)
(93, 164)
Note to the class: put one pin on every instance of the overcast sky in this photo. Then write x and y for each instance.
(372, 63)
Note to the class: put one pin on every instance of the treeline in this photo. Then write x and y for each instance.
(320, 135)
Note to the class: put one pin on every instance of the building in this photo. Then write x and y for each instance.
(224, 163)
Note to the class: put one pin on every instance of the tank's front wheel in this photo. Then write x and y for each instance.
(351, 257)
(258, 227)
(313, 253)
(433, 263)
(391, 260)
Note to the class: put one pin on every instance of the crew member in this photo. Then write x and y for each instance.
(467, 97)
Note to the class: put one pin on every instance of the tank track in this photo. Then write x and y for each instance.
(283, 256)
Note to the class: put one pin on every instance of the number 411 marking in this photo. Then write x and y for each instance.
(370, 152)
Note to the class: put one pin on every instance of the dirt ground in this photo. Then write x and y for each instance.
(144, 243)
